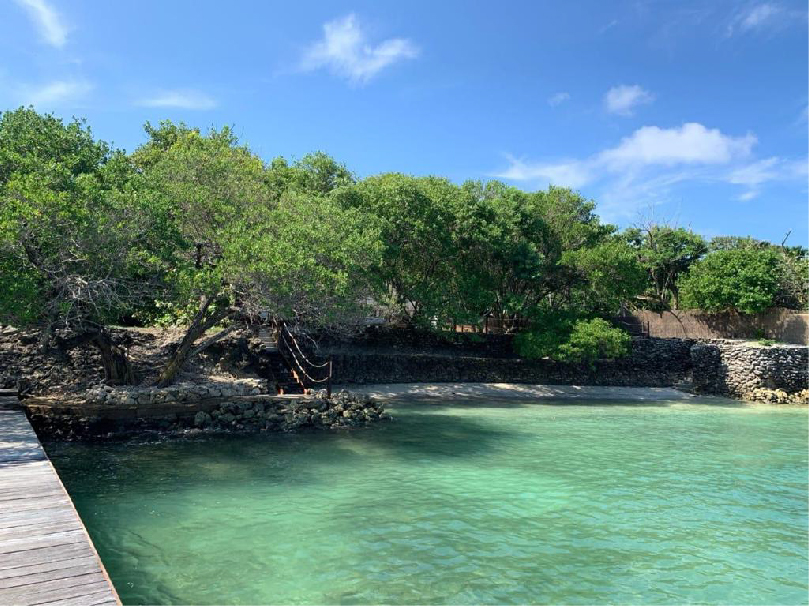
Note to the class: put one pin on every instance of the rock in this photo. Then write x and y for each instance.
(202, 419)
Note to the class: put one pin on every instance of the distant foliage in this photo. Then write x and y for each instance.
(793, 284)
(566, 339)
(742, 280)
(453, 254)
(666, 253)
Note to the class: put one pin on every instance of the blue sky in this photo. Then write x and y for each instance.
(693, 113)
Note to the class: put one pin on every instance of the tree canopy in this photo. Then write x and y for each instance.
(246, 242)
(76, 241)
(666, 253)
(193, 228)
(747, 278)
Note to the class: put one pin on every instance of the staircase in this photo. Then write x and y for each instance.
(285, 377)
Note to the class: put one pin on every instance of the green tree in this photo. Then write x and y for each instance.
(565, 338)
(245, 247)
(548, 250)
(415, 216)
(793, 268)
(74, 237)
(793, 283)
(742, 280)
(666, 253)
(609, 273)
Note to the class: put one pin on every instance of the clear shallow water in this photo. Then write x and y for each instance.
(469, 503)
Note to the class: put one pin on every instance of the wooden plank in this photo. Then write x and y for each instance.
(92, 599)
(40, 494)
(55, 590)
(33, 517)
(33, 557)
(56, 538)
(38, 578)
(9, 399)
(50, 565)
(22, 517)
(46, 555)
(31, 505)
(81, 580)
(39, 530)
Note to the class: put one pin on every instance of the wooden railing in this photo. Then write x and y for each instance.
(494, 326)
(305, 370)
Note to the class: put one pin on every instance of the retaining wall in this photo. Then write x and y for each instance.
(108, 413)
(651, 363)
(739, 369)
(728, 368)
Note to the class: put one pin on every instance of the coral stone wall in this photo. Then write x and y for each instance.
(651, 363)
(739, 369)
(200, 407)
(728, 368)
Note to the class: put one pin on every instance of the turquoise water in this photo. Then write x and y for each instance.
(468, 503)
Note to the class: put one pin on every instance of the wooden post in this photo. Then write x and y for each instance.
(328, 380)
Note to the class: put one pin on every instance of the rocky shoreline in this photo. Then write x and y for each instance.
(231, 387)
(119, 415)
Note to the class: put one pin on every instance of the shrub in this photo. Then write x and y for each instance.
(593, 340)
(570, 340)
(549, 331)
(742, 280)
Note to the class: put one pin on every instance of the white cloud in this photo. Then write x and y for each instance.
(558, 98)
(346, 52)
(759, 15)
(608, 26)
(649, 146)
(47, 21)
(623, 100)
(55, 93)
(184, 99)
(571, 173)
(755, 17)
(692, 143)
(755, 174)
(643, 168)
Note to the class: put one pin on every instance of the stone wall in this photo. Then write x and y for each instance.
(651, 363)
(779, 373)
(785, 325)
(114, 413)
(748, 371)
(736, 369)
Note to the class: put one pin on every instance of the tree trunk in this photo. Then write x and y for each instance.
(199, 325)
(43, 344)
(117, 369)
(675, 295)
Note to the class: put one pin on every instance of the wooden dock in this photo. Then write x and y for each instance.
(46, 555)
